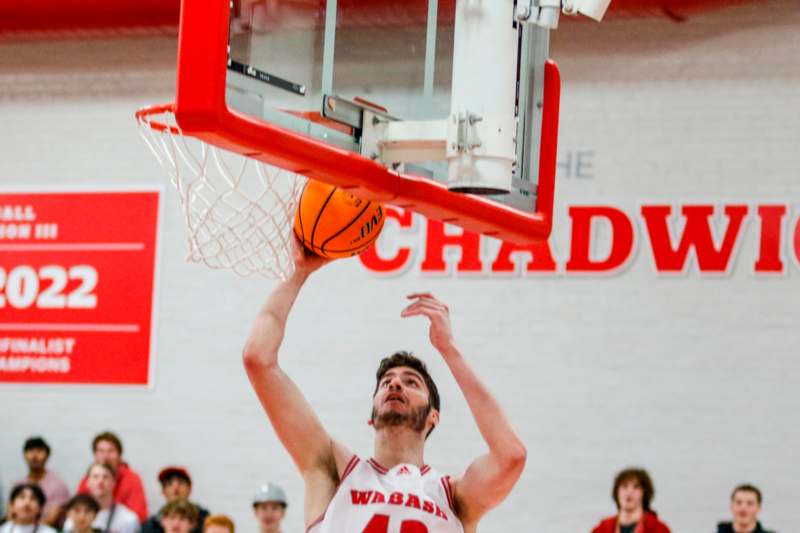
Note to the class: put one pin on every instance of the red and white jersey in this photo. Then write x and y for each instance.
(374, 499)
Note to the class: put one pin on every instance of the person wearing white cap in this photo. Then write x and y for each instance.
(269, 507)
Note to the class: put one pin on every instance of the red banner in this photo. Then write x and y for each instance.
(77, 280)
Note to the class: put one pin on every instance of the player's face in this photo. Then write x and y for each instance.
(630, 495)
(745, 507)
(269, 515)
(25, 508)
(402, 398)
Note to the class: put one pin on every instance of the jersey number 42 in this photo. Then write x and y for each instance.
(380, 524)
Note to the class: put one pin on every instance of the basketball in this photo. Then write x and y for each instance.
(333, 223)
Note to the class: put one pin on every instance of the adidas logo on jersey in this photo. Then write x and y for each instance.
(404, 471)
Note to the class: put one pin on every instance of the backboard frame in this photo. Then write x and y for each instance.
(202, 111)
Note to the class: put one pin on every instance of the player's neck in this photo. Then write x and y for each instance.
(394, 446)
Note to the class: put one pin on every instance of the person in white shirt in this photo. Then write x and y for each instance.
(113, 517)
(25, 507)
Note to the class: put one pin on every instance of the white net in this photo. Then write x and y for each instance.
(238, 211)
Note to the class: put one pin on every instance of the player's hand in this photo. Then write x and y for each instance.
(306, 261)
(426, 304)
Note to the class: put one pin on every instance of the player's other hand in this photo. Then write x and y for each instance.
(426, 304)
(305, 261)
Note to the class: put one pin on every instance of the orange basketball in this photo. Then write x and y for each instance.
(333, 223)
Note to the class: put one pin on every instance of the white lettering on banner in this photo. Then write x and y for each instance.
(696, 238)
(45, 231)
(39, 365)
(37, 345)
(15, 231)
(17, 213)
(22, 287)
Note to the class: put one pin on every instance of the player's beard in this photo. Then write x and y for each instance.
(415, 419)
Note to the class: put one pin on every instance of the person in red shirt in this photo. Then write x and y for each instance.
(632, 492)
(129, 490)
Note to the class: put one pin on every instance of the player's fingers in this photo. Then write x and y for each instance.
(429, 308)
(423, 306)
(421, 296)
(417, 312)
(427, 303)
(427, 296)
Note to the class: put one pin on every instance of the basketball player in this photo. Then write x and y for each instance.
(395, 491)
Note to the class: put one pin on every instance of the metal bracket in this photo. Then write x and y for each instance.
(484, 136)
(542, 13)
(351, 113)
(466, 137)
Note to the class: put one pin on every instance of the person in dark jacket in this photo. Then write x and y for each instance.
(745, 506)
(632, 493)
(176, 484)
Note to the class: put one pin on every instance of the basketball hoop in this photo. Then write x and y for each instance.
(238, 211)
(243, 134)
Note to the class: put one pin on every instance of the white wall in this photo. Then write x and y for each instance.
(692, 376)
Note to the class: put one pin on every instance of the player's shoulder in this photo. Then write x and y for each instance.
(343, 458)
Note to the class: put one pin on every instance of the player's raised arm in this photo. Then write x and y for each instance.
(489, 479)
(292, 417)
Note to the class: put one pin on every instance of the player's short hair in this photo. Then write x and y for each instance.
(180, 508)
(35, 489)
(36, 443)
(747, 487)
(403, 358)
(108, 437)
(640, 476)
(219, 520)
(83, 500)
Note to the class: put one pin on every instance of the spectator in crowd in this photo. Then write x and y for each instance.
(25, 506)
(179, 516)
(218, 523)
(82, 511)
(129, 491)
(36, 452)
(632, 493)
(176, 484)
(114, 517)
(269, 506)
(745, 506)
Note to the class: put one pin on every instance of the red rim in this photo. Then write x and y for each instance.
(146, 116)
